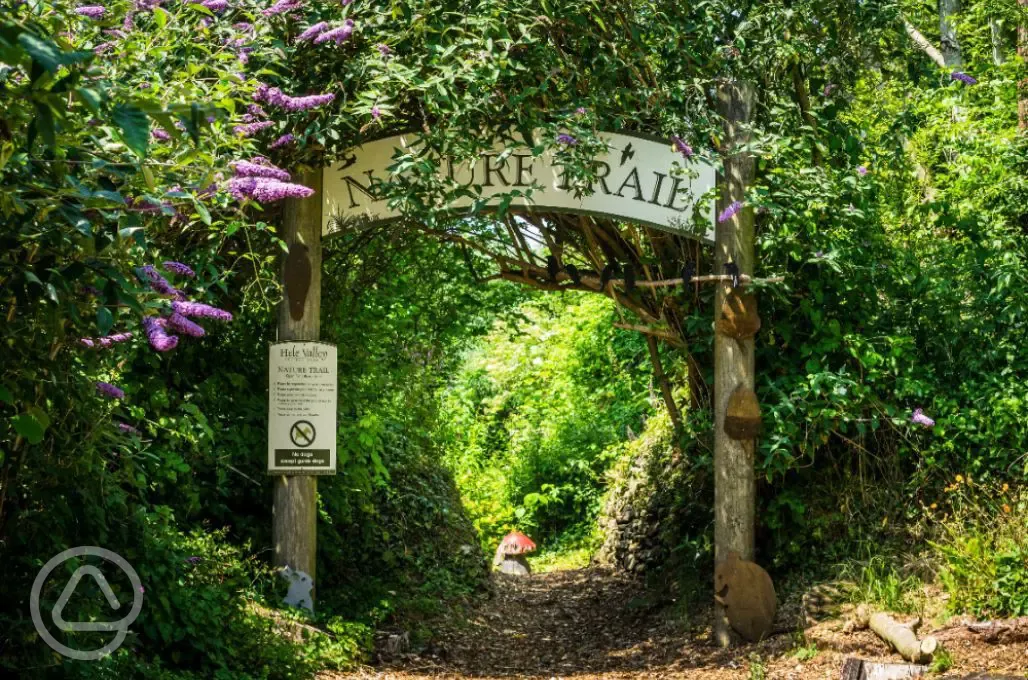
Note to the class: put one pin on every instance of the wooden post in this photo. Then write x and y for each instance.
(734, 485)
(294, 522)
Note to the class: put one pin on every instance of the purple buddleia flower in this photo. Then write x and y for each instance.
(115, 33)
(862, 170)
(91, 11)
(180, 324)
(273, 190)
(243, 26)
(128, 429)
(921, 419)
(376, 112)
(313, 31)
(86, 342)
(110, 391)
(728, 212)
(338, 35)
(129, 22)
(384, 49)
(828, 89)
(157, 336)
(282, 6)
(282, 141)
(251, 129)
(566, 140)
(308, 102)
(103, 47)
(157, 282)
(346, 2)
(179, 268)
(160, 135)
(199, 310)
(251, 169)
(681, 147)
(963, 77)
(275, 97)
(216, 6)
(241, 188)
(108, 340)
(195, 559)
(580, 111)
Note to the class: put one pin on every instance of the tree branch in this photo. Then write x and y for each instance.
(923, 42)
(665, 384)
(662, 333)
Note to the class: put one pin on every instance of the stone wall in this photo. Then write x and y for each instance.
(656, 497)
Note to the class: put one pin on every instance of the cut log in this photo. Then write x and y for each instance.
(1004, 631)
(903, 639)
(858, 669)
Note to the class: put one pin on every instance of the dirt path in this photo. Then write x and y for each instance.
(592, 624)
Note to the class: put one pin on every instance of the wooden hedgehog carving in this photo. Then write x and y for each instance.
(746, 592)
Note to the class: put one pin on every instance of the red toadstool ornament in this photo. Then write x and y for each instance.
(510, 554)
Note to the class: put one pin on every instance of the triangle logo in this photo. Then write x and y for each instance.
(69, 588)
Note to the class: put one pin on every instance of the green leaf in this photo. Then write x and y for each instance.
(89, 97)
(104, 320)
(28, 427)
(5, 395)
(42, 51)
(201, 210)
(45, 124)
(160, 17)
(134, 126)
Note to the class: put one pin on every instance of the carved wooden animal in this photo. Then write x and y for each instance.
(742, 415)
(746, 592)
(739, 318)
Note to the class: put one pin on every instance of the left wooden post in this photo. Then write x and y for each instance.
(294, 522)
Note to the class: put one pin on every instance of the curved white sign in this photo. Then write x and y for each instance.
(639, 179)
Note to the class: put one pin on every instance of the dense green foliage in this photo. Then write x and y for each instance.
(905, 287)
(539, 413)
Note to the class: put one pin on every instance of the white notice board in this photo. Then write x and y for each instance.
(302, 397)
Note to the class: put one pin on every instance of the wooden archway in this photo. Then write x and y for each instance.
(295, 497)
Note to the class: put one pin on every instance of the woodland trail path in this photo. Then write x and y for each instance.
(592, 624)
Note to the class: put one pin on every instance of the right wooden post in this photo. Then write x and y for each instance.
(734, 483)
